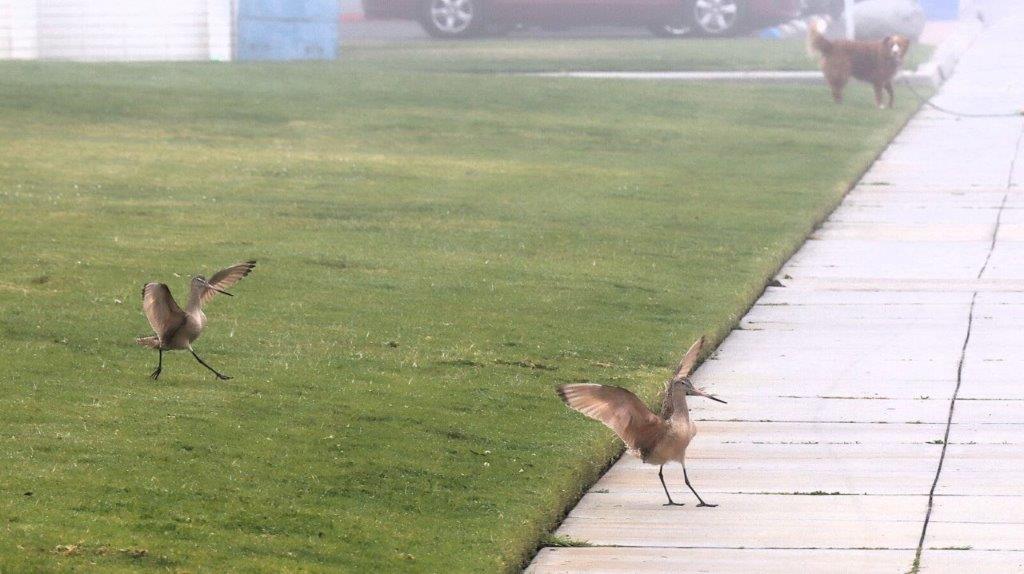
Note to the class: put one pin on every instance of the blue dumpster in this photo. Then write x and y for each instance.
(941, 9)
(287, 30)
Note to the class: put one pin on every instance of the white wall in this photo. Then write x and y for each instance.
(116, 30)
(18, 29)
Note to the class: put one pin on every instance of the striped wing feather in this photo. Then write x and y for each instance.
(620, 410)
(163, 313)
(689, 360)
(226, 278)
(683, 370)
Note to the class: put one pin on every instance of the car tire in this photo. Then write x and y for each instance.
(709, 18)
(453, 19)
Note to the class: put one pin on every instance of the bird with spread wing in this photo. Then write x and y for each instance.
(655, 439)
(177, 329)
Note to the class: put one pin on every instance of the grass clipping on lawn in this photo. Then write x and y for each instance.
(436, 253)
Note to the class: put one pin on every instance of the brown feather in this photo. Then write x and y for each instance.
(163, 313)
(689, 360)
(683, 370)
(226, 278)
(151, 342)
(667, 407)
(619, 410)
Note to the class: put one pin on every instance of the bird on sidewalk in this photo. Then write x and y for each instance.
(176, 329)
(655, 439)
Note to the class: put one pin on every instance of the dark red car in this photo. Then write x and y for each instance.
(464, 18)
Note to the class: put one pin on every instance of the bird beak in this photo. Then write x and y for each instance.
(701, 393)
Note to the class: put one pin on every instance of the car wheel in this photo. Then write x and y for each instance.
(714, 17)
(703, 18)
(452, 18)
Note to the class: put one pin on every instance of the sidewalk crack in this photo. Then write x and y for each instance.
(945, 438)
(963, 356)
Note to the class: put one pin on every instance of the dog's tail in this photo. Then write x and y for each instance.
(817, 43)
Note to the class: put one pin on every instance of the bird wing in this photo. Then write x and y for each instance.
(684, 369)
(619, 409)
(226, 278)
(162, 311)
(689, 360)
(666, 402)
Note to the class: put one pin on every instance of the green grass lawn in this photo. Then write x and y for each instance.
(620, 54)
(436, 252)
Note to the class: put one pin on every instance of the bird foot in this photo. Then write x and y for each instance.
(706, 504)
(156, 374)
(223, 377)
(670, 503)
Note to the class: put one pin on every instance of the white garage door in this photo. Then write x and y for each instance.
(116, 30)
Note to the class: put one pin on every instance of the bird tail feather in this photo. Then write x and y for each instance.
(151, 342)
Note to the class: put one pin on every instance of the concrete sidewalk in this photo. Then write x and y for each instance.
(876, 412)
(760, 77)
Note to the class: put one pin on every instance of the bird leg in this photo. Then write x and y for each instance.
(203, 363)
(159, 367)
(687, 479)
(662, 477)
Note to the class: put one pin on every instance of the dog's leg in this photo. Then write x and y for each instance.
(837, 93)
(878, 97)
(837, 79)
(837, 84)
(892, 94)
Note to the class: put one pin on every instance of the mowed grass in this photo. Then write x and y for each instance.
(436, 252)
(608, 54)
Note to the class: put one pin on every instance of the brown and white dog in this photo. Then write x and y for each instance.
(873, 62)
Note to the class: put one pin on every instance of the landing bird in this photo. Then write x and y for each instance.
(655, 439)
(176, 329)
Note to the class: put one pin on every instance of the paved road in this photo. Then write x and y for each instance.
(876, 411)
